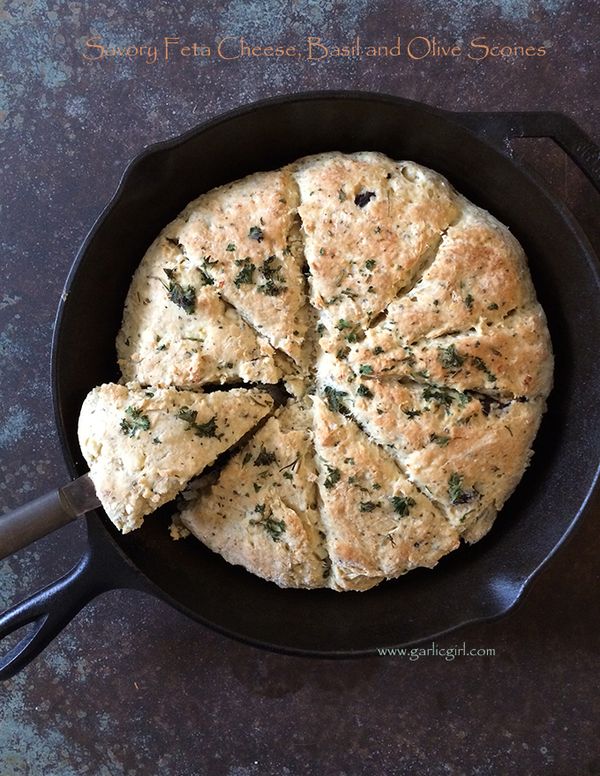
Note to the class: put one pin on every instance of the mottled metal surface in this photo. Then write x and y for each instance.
(132, 687)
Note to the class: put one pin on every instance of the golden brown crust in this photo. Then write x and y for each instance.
(479, 275)
(368, 223)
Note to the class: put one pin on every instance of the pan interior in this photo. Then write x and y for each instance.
(474, 582)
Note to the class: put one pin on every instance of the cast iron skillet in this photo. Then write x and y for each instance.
(475, 583)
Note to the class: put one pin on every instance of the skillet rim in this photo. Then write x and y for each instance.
(99, 533)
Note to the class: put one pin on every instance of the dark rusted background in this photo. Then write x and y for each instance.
(132, 687)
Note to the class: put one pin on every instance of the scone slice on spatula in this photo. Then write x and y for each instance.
(143, 445)
(262, 513)
(377, 523)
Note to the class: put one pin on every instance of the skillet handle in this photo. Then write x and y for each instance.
(52, 608)
(30, 522)
(48, 610)
(501, 127)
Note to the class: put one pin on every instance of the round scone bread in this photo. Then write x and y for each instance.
(401, 320)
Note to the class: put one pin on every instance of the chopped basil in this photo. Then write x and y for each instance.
(362, 390)
(246, 459)
(368, 506)
(468, 300)
(439, 439)
(402, 505)
(456, 492)
(205, 278)
(353, 330)
(271, 272)
(230, 247)
(134, 422)
(492, 306)
(370, 263)
(412, 413)
(479, 363)
(182, 297)
(377, 350)
(270, 268)
(333, 477)
(334, 398)
(256, 233)
(449, 358)
(274, 528)
(365, 369)
(265, 458)
(270, 289)
(208, 429)
(188, 415)
(444, 397)
(246, 274)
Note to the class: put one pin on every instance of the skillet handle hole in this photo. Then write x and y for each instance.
(16, 638)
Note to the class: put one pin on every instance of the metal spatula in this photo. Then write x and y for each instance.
(24, 525)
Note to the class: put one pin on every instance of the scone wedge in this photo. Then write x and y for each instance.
(245, 236)
(262, 513)
(377, 523)
(369, 224)
(178, 330)
(510, 359)
(143, 445)
(465, 451)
